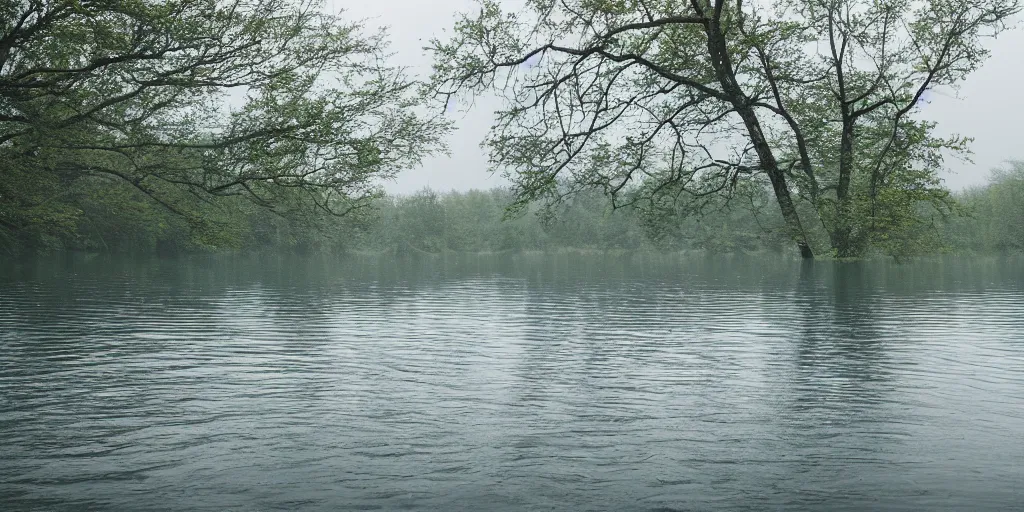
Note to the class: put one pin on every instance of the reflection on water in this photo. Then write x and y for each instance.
(519, 383)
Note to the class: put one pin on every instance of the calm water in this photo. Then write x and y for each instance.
(511, 383)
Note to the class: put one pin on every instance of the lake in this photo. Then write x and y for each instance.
(512, 382)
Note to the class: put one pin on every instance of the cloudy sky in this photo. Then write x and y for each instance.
(988, 107)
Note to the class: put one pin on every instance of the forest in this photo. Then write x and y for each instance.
(192, 126)
(982, 220)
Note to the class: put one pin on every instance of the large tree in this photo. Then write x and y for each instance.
(656, 99)
(186, 100)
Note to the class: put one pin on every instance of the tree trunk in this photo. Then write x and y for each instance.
(789, 213)
(841, 239)
(719, 52)
(842, 228)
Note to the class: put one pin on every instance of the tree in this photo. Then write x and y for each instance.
(647, 99)
(996, 220)
(140, 93)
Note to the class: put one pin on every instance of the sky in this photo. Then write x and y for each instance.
(988, 107)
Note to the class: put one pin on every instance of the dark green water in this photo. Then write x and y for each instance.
(511, 383)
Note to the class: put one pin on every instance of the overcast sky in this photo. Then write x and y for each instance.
(989, 106)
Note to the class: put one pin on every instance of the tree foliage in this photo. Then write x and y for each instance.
(664, 101)
(995, 220)
(188, 101)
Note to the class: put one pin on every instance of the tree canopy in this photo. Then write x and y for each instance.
(658, 102)
(185, 101)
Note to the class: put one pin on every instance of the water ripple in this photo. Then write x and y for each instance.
(537, 385)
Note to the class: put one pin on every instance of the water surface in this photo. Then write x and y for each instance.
(563, 382)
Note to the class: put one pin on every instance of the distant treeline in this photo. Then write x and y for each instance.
(120, 219)
(994, 217)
